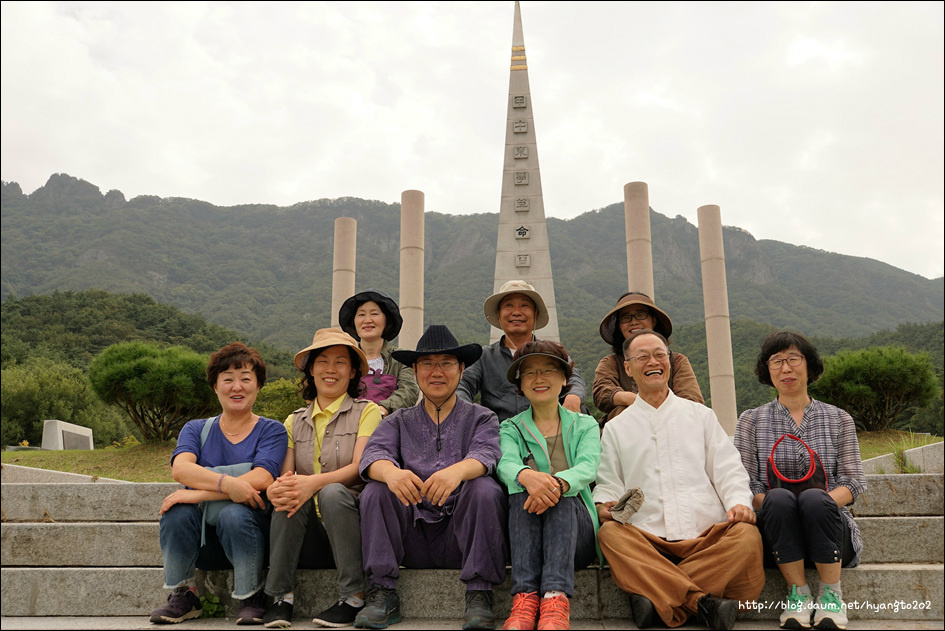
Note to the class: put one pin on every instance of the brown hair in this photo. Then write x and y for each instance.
(232, 356)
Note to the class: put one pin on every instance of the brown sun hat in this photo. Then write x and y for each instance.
(330, 337)
(491, 306)
(608, 326)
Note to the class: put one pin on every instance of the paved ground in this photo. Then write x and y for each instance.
(141, 622)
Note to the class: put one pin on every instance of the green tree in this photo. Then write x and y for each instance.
(160, 389)
(277, 399)
(41, 389)
(876, 385)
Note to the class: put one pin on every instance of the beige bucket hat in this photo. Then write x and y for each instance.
(491, 306)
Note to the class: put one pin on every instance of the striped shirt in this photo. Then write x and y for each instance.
(827, 429)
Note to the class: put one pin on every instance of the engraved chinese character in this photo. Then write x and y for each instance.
(523, 260)
(520, 126)
(521, 178)
(519, 101)
(521, 204)
(519, 151)
(521, 232)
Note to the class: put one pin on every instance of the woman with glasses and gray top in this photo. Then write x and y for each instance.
(614, 388)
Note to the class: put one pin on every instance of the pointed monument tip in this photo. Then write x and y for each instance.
(518, 39)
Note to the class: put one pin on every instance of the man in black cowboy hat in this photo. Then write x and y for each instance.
(430, 501)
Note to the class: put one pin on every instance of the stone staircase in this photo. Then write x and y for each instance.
(91, 549)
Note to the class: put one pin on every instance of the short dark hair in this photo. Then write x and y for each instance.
(307, 387)
(781, 341)
(232, 356)
(635, 334)
(546, 347)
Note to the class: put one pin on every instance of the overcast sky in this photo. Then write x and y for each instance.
(818, 124)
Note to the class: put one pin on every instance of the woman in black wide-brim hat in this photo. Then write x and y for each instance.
(373, 318)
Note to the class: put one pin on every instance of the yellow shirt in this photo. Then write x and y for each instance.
(370, 418)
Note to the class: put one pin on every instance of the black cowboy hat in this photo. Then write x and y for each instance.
(437, 340)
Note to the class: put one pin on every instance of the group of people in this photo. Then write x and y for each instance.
(416, 474)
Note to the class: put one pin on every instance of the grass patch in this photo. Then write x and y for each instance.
(873, 444)
(151, 463)
(136, 463)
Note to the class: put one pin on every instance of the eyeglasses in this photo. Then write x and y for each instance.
(445, 364)
(645, 357)
(534, 372)
(630, 317)
(792, 360)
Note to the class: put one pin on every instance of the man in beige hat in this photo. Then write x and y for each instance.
(518, 310)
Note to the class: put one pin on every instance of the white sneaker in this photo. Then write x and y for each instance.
(831, 612)
(798, 609)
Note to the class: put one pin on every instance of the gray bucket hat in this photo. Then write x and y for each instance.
(491, 306)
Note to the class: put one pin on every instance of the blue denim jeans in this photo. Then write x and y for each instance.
(548, 548)
(239, 540)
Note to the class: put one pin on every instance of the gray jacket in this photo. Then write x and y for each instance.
(488, 378)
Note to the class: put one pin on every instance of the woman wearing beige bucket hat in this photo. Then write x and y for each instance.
(316, 497)
(614, 389)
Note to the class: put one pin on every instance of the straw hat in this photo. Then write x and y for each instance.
(330, 337)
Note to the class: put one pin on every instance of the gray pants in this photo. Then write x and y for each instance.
(340, 521)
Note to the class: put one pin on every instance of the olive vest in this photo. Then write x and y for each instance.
(338, 443)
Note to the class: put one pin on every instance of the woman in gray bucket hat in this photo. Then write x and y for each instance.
(373, 318)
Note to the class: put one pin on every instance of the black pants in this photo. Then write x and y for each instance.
(808, 526)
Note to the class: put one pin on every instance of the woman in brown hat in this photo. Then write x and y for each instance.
(373, 318)
(614, 389)
(316, 497)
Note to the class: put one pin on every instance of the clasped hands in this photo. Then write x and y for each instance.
(410, 489)
(544, 490)
(289, 491)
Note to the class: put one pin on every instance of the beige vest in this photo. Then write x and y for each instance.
(337, 444)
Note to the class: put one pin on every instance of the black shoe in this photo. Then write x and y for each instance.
(644, 613)
(182, 604)
(479, 610)
(278, 615)
(253, 609)
(717, 613)
(381, 608)
(341, 614)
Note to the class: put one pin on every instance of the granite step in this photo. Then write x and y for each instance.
(135, 544)
(887, 495)
(879, 591)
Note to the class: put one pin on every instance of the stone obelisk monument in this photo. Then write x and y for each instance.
(522, 247)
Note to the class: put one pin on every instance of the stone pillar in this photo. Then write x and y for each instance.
(411, 268)
(718, 332)
(522, 250)
(636, 209)
(343, 264)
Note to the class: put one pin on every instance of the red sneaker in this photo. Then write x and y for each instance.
(555, 613)
(524, 612)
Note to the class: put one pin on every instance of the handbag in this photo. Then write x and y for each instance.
(377, 386)
(211, 509)
(815, 478)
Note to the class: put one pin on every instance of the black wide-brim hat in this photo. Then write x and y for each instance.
(437, 340)
(391, 313)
